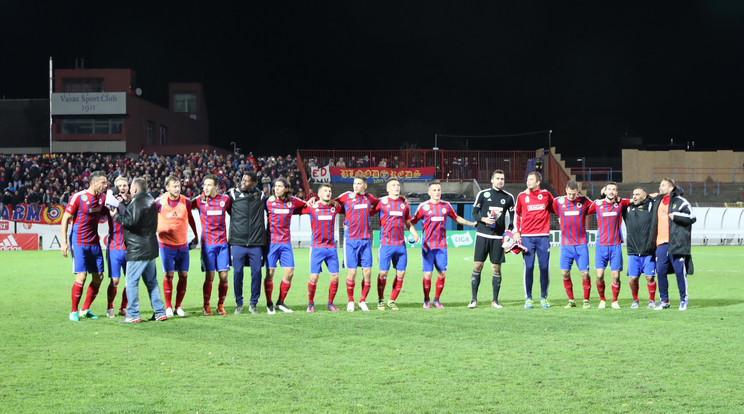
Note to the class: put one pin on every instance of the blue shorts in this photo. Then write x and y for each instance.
(215, 258)
(395, 254)
(434, 258)
(578, 254)
(641, 264)
(86, 259)
(609, 254)
(318, 255)
(357, 252)
(282, 253)
(174, 260)
(116, 263)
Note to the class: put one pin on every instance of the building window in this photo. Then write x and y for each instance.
(103, 125)
(184, 102)
(149, 133)
(72, 85)
(163, 132)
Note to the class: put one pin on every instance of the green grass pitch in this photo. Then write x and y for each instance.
(451, 360)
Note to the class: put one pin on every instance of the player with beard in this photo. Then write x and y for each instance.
(173, 222)
(490, 211)
(279, 210)
(85, 210)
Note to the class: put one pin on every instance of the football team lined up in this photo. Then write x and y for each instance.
(658, 241)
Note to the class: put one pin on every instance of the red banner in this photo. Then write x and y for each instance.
(380, 174)
(10, 242)
(32, 213)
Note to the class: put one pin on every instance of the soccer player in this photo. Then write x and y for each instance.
(490, 210)
(173, 216)
(673, 221)
(572, 210)
(85, 209)
(609, 249)
(395, 217)
(641, 245)
(532, 227)
(215, 254)
(247, 238)
(116, 258)
(279, 210)
(434, 213)
(357, 206)
(323, 248)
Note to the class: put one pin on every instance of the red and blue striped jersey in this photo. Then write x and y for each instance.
(434, 217)
(212, 215)
(572, 216)
(279, 217)
(609, 221)
(115, 236)
(322, 223)
(394, 212)
(357, 209)
(86, 210)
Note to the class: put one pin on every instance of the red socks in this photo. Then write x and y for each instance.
(439, 287)
(283, 289)
(222, 291)
(124, 301)
(350, 289)
(397, 285)
(207, 291)
(332, 289)
(601, 290)
(91, 295)
(111, 295)
(587, 284)
(651, 290)
(366, 286)
(568, 285)
(268, 289)
(167, 291)
(634, 288)
(180, 290)
(615, 291)
(427, 288)
(311, 291)
(77, 292)
(381, 281)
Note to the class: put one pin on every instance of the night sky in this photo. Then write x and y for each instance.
(309, 74)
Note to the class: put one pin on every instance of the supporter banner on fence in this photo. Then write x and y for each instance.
(10, 242)
(380, 174)
(455, 238)
(320, 174)
(6, 226)
(34, 214)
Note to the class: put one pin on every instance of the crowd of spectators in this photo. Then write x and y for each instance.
(54, 178)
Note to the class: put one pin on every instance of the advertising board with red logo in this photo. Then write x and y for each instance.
(6, 226)
(10, 242)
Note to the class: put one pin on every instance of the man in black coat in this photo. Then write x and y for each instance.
(247, 238)
(140, 223)
(673, 220)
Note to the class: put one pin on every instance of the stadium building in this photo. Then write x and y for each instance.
(101, 110)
